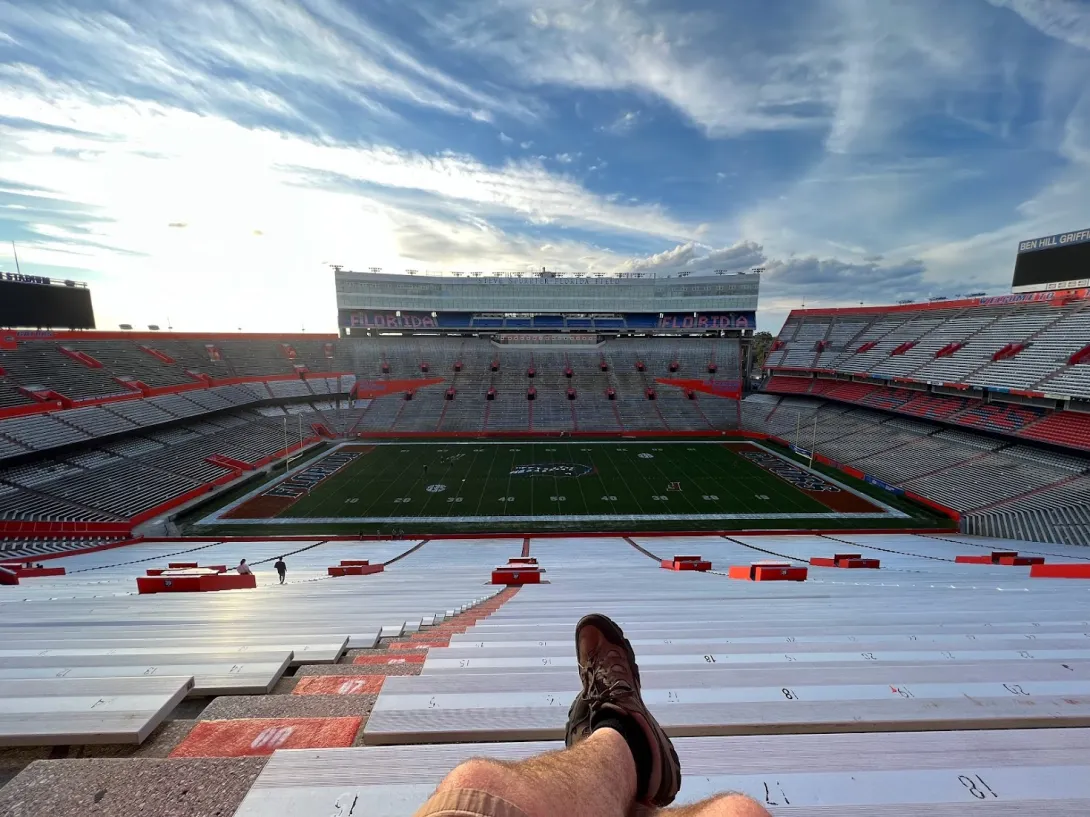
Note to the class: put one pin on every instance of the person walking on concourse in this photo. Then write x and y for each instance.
(281, 568)
(618, 759)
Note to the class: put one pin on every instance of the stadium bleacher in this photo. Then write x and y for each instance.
(952, 342)
(1016, 369)
(923, 680)
(982, 477)
(901, 434)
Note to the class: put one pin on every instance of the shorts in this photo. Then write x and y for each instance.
(468, 803)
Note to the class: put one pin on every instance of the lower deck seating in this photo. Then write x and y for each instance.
(1067, 428)
(1064, 428)
(979, 476)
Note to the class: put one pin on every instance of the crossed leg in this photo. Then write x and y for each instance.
(595, 778)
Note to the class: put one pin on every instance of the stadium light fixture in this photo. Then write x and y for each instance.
(375, 269)
(411, 271)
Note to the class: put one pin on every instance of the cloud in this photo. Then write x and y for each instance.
(697, 258)
(831, 279)
(313, 200)
(1065, 20)
(653, 49)
(623, 124)
(284, 50)
(870, 149)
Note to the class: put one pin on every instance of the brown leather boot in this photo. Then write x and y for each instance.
(611, 688)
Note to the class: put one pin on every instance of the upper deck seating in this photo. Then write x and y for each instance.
(956, 344)
(41, 365)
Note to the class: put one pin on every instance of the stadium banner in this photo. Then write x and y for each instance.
(1034, 297)
(725, 320)
(885, 486)
(389, 320)
(1049, 242)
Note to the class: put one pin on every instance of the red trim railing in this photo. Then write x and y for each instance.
(1081, 356)
(1008, 351)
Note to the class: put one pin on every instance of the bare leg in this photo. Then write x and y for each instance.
(723, 805)
(596, 778)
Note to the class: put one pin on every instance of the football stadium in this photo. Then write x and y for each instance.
(853, 564)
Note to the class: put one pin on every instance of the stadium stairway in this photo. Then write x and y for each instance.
(917, 689)
(204, 756)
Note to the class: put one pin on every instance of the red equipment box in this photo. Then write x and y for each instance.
(865, 564)
(523, 575)
(768, 572)
(686, 563)
(36, 572)
(845, 560)
(195, 583)
(1001, 557)
(1022, 560)
(1060, 571)
(355, 569)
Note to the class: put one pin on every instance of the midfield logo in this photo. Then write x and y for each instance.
(551, 469)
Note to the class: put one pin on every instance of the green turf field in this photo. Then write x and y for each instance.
(582, 485)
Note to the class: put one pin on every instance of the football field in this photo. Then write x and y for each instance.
(557, 485)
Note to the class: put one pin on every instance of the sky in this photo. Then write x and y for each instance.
(201, 163)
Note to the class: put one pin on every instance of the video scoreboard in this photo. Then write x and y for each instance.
(36, 302)
(1055, 262)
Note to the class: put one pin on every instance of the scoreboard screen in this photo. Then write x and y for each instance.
(38, 303)
(1053, 262)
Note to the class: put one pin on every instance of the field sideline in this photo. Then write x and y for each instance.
(567, 485)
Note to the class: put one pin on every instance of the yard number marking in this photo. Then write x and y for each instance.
(273, 736)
